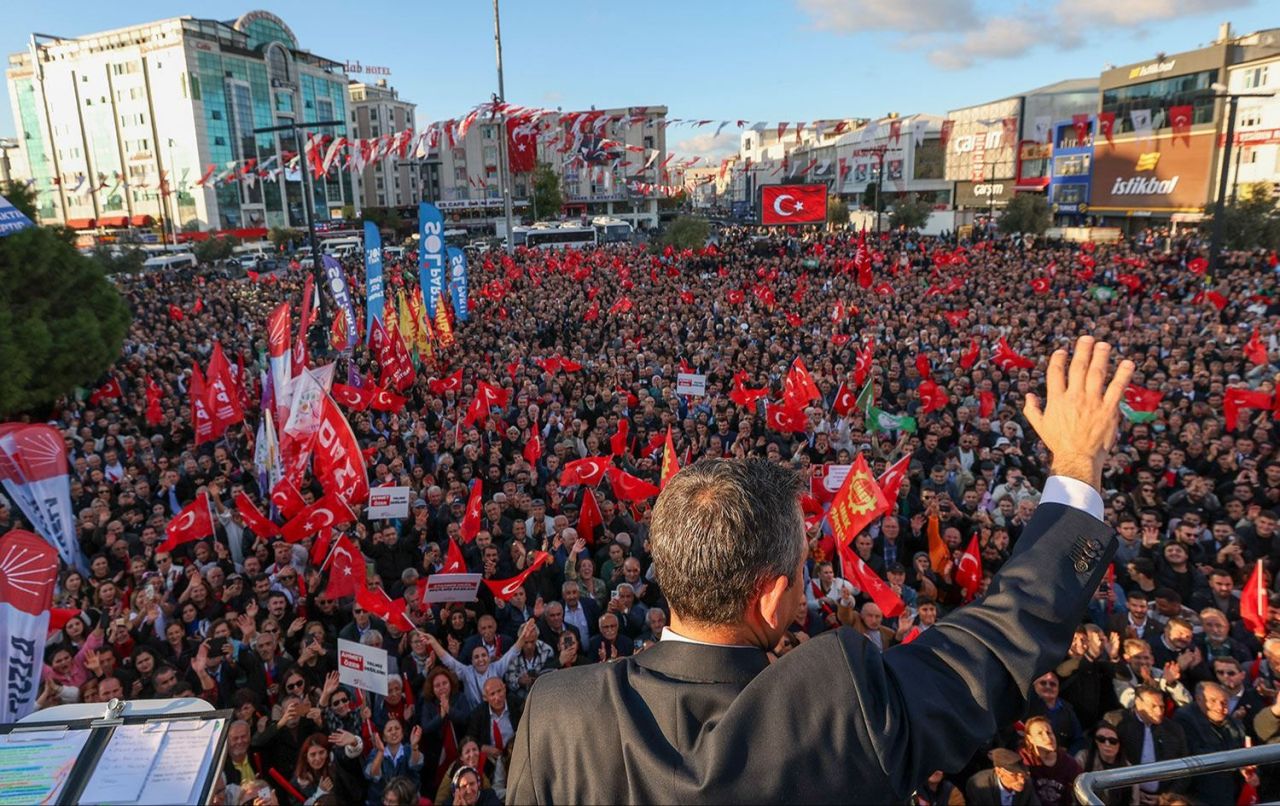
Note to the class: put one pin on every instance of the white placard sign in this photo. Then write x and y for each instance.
(691, 385)
(364, 667)
(388, 502)
(452, 588)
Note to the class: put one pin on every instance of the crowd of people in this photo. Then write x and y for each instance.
(1163, 664)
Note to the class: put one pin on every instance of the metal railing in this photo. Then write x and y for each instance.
(1090, 784)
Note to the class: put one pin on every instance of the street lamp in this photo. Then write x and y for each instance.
(1219, 90)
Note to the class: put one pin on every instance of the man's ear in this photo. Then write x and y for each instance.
(772, 599)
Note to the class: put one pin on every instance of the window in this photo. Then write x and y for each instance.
(1074, 165)
(459, 155)
(1068, 194)
(1157, 96)
(1251, 116)
(490, 155)
(487, 132)
(1255, 77)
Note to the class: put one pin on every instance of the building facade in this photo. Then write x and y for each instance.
(375, 110)
(899, 155)
(1255, 155)
(1071, 172)
(119, 128)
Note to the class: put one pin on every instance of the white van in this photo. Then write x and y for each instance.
(164, 263)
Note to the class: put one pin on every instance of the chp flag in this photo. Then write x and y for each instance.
(28, 570)
(793, 204)
(35, 474)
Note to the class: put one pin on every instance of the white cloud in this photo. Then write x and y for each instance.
(956, 35)
(710, 147)
(913, 17)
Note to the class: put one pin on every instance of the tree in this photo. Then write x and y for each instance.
(63, 322)
(282, 237)
(218, 248)
(1252, 221)
(1027, 212)
(686, 232)
(869, 196)
(837, 212)
(547, 198)
(125, 261)
(909, 212)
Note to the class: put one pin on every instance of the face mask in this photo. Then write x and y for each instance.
(1158, 427)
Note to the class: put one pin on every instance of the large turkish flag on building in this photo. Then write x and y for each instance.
(793, 204)
(522, 145)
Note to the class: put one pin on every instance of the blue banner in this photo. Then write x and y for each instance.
(431, 254)
(337, 280)
(372, 274)
(12, 219)
(459, 290)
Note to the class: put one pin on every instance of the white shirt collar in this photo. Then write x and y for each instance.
(669, 634)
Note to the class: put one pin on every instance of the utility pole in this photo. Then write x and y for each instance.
(308, 214)
(504, 166)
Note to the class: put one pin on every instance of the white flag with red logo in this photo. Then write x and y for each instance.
(35, 473)
(28, 571)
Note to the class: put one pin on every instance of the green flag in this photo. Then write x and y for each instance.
(1102, 293)
(1135, 416)
(879, 420)
(866, 398)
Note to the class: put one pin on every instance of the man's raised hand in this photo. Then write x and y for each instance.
(1078, 420)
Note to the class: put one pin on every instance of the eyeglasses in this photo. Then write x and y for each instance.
(295, 684)
(1106, 740)
(270, 629)
(336, 703)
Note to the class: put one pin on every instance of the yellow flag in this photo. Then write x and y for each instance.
(444, 330)
(408, 327)
(422, 326)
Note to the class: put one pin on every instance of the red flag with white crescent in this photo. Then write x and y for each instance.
(286, 498)
(347, 572)
(869, 582)
(891, 481)
(969, 571)
(504, 589)
(627, 487)
(253, 517)
(194, 522)
(589, 471)
(471, 520)
(670, 465)
(327, 513)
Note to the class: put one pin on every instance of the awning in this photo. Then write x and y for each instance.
(80, 223)
(142, 220)
(114, 221)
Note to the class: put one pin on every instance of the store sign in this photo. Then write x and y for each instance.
(367, 69)
(982, 141)
(1160, 175)
(1153, 69)
(991, 189)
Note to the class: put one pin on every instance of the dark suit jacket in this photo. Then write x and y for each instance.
(984, 790)
(479, 724)
(1167, 738)
(688, 714)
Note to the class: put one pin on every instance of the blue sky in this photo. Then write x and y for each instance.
(769, 60)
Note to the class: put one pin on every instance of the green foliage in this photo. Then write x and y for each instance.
(118, 261)
(213, 249)
(677, 201)
(909, 212)
(869, 196)
(547, 198)
(686, 232)
(1027, 212)
(281, 237)
(22, 197)
(62, 321)
(1253, 221)
(837, 212)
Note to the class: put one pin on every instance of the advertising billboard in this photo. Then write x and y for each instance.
(1160, 174)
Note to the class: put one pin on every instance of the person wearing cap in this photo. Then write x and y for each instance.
(1004, 784)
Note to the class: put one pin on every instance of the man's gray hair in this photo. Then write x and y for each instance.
(719, 529)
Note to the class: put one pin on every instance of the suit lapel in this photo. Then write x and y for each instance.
(697, 663)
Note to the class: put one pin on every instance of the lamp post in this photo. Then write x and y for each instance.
(1219, 90)
(504, 165)
(308, 213)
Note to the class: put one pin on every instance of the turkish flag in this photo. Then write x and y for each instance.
(384, 400)
(522, 145)
(253, 517)
(347, 573)
(326, 513)
(533, 448)
(884, 289)
(194, 522)
(735, 296)
(618, 442)
(593, 313)
(922, 366)
(1106, 125)
(449, 383)
(747, 397)
(798, 387)
(970, 356)
(932, 396)
(352, 397)
(155, 414)
(1006, 359)
(891, 481)
(1236, 399)
(856, 571)
(969, 572)
(785, 420)
(862, 364)
(454, 562)
(109, 389)
(858, 502)
(504, 589)
(377, 602)
(1180, 122)
(286, 498)
(986, 403)
(627, 487)
(793, 204)
(589, 471)
(1081, 124)
(1253, 602)
(670, 465)
(1040, 285)
(1255, 350)
(955, 318)
(793, 319)
(1198, 265)
(471, 520)
(589, 518)
(845, 399)
(1140, 399)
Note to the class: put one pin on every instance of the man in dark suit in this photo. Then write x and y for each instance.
(551, 626)
(1008, 778)
(487, 635)
(1166, 739)
(834, 715)
(494, 723)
